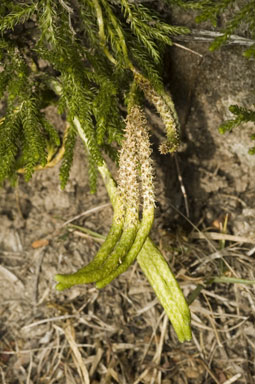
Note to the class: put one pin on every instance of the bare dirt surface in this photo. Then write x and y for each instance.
(120, 334)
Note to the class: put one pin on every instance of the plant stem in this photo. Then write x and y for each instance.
(102, 37)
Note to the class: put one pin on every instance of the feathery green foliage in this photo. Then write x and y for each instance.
(9, 130)
(18, 13)
(88, 48)
(69, 143)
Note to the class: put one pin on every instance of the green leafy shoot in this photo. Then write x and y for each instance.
(242, 115)
(18, 14)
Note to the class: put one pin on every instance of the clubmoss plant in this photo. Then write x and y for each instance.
(92, 59)
(89, 57)
(150, 260)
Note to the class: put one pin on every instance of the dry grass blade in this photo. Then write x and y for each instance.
(52, 319)
(188, 49)
(85, 236)
(96, 361)
(30, 369)
(221, 236)
(158, 353)
(87, 213)
(39, 256)
(251, 252)
(183, 189)
(2, 375)
(77, 358)
(233, 379)
(13, 279)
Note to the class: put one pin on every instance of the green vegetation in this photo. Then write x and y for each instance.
(97, 61)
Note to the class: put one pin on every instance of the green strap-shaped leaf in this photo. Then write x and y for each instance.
(140, 238)
(166, 288)
(107, 259)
